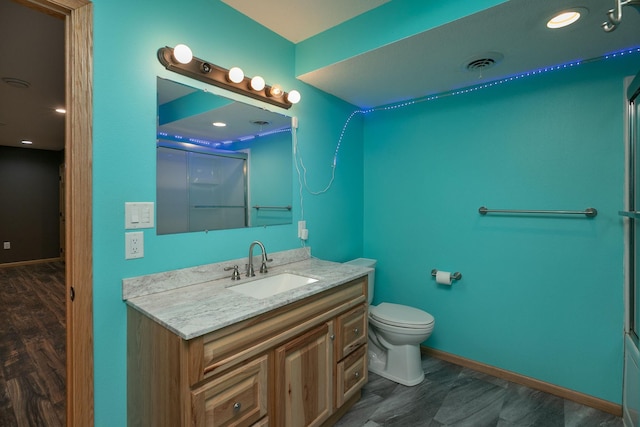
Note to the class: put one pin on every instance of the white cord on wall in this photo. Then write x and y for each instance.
(302, 176)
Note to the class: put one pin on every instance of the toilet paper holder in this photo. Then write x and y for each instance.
(454, 276)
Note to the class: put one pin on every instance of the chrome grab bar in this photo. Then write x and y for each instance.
(258, 207)
(589, 212)
(630, 214)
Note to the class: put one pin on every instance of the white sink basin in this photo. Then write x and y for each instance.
(272, 285)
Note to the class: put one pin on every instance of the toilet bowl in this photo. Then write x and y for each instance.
(395, 334)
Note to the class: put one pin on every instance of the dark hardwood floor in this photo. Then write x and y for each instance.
(32, 345)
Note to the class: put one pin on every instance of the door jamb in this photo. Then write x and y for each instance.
(78, 17)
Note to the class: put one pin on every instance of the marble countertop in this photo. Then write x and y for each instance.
(194, 309)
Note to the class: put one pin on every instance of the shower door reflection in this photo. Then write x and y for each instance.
(200, 192)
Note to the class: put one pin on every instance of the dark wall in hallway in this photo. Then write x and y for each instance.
(29, 204)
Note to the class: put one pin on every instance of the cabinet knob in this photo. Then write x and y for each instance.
(356, 331)
(236, 407)
(332, 337)
(357, 374)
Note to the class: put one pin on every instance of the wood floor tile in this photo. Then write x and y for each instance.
(32, 345)
(454, 396)
(31, 404)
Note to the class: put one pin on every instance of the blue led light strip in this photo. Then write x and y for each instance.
(215, 144)
(470, 89)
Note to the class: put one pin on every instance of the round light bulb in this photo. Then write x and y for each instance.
(257, 83)
(276, 91)
(182, 53)
(235, 75)
(293, 97)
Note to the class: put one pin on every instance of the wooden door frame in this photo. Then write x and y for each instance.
(78, 17)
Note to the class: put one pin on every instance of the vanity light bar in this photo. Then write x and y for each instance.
(207, 72)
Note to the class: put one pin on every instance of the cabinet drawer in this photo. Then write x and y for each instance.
(351, 330)
(234, 344)
(351, 375)
(262, 423)
(238, 398)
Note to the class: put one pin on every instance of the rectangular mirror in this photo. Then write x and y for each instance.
(221, 164)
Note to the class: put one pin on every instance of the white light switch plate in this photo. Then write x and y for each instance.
(138, 215)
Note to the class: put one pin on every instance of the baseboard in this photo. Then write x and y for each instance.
(584, 399)
(30, 262)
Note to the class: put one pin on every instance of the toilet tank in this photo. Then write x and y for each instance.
(371, 263)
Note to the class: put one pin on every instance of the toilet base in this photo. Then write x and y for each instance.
(401, 364)
(403, 381)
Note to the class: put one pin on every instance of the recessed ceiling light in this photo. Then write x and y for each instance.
(17, 83)
(566, 17)
(219, 124)
(26, 142)
(61, 110)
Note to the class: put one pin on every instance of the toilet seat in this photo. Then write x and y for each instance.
(401, 316)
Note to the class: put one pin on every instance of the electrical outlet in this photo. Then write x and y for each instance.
(134, 245)
(301, 226)
(6, 245)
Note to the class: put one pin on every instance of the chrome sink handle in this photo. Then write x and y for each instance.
(265, 260)
(236, 274)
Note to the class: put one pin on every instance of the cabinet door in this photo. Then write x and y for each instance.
(235, 399)
(304, 372)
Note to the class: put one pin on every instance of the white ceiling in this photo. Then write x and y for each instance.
(303, 18)
(37, 57)
(427, 63)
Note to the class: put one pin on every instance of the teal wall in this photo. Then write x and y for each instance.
(126, 38)
(270, 180)
(540, 296)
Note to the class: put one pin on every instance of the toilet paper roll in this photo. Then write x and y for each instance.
(443, 277)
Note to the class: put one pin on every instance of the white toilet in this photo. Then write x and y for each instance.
(395, 334)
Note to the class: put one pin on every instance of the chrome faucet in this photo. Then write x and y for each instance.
(265, 259)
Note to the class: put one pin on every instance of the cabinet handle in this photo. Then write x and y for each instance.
(357, 374)
(236, 407)
(332, 337)
(356, 331)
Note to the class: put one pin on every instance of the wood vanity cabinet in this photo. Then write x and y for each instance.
(298, 365)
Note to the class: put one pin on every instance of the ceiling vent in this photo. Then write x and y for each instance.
(17, 83)
(482, 62)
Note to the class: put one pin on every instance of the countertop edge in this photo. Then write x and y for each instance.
(191, 311)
